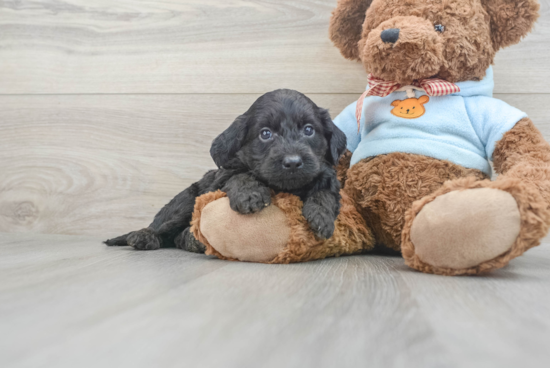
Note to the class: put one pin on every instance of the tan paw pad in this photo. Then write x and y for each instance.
(463, 229)
(258, 237)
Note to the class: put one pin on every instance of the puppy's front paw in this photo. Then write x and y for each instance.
(321, 220)
(250, 200)
(144, 239)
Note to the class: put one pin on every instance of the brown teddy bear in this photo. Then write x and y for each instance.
(416, 177)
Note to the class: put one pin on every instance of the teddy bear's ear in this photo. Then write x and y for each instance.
(511, 20)
(396, 103)
(346, 26)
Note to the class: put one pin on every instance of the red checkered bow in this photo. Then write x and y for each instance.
(382, 88)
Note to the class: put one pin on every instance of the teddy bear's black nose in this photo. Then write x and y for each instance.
(390, 35)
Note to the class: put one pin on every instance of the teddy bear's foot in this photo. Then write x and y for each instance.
(278, 234)
(259, 237)
(463, 229)
(479, 229)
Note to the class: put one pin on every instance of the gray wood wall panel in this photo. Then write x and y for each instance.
(107, 109)
(202, 46)
(79, 164)
(72, 164)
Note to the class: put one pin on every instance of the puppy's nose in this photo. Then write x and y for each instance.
(292, 162)
(390, 35)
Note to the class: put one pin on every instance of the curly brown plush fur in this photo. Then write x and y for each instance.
(455, 40)
(511, 20)
(522, 157)
(385, 187)
(346, 24)
(535, 219)
(351, 235)
(384, 197)
(524, 154)
(474, 31)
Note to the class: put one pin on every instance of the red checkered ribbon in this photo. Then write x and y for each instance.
(382, 88)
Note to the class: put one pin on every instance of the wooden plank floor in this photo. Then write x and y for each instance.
(68, 301)
(107, 109)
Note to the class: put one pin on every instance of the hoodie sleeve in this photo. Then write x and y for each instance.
(347, 123)
(491, 118)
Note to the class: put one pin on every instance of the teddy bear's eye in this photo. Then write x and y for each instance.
(439, 28)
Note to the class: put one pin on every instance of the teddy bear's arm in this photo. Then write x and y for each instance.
(523, 153)
(483, 224)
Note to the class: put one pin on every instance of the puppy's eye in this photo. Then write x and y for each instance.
(309, 131)
(439, 28)
(266, 135)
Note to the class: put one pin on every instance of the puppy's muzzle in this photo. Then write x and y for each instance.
(293, 163)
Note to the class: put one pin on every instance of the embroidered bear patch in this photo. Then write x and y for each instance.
(411, 108)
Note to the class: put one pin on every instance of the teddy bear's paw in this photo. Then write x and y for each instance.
(257, 237)
(144, 239)
(463, 229)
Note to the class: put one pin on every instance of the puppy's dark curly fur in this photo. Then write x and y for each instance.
(284, 142)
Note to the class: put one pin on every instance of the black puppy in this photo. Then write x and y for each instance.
(283, 142)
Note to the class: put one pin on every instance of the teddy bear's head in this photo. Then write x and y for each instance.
(406, 40)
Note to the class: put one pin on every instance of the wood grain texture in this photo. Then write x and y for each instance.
(107, 110)
(89, 164)
(68, 301)
(107, 164)
(202, 46)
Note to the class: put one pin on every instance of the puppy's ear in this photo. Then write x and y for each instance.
(226, 145)
(335, 137)
(511, 20)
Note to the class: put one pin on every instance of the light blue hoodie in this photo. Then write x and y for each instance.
(462, 128)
